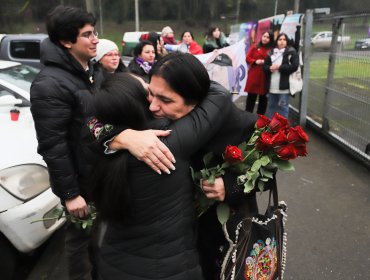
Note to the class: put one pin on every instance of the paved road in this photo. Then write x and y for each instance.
(328, 227)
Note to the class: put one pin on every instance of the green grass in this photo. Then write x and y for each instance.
(343, 69)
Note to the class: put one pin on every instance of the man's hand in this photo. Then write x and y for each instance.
(145, 146)
(77, 207)
(215, 191)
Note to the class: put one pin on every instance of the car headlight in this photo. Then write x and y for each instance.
(25, 181)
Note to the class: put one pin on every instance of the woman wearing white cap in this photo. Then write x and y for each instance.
(108, 57)
(168, 36)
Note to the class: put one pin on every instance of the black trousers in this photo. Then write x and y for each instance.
(81, 247)
(251, 101)
(210, 238)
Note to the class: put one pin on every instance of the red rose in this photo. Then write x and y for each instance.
(279, 139)
(286, 152)
(262, 121)
(297, 135)
(264, 143)
(301, 150)
(233, 154)
(278, 122)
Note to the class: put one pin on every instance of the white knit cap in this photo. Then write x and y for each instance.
(166, 30)
(103, 47)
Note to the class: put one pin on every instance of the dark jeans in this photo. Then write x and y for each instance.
(278, 103)
(80, 246)
(251, 101)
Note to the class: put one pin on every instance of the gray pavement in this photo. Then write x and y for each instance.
(328, 226)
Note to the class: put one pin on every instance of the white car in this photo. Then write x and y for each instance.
(25, 193)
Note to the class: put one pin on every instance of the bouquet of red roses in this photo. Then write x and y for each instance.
(273, 143)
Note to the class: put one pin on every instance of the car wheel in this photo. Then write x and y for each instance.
(8, 258)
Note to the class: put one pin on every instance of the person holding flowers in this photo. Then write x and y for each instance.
(165, 94)
(150, 217)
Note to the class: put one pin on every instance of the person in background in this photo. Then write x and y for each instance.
(144, 58)
(256, 81)
(59, 95)
(215, 39)
(157, 42)
(108, 57)
(282, 61)
(168, 36)
(193, 47)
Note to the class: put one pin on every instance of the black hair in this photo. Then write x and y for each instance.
(185, 74)
(210, 31)
(153, 37)
(65, 22)
(191, 34)
(139, 47)
(120, 101)
(288, 41)
(271, 43)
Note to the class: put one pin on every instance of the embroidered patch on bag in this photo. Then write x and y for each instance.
(261, 263)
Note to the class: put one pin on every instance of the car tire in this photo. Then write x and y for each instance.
(8, 258)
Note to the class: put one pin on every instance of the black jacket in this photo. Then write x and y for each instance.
(236, 128)
(289, 65)
(159, 242)
(135, 68)
(59, 96)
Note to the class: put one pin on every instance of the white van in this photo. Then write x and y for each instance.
(25, 193)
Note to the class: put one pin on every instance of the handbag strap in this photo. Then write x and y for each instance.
(278, 229)
(274, 194)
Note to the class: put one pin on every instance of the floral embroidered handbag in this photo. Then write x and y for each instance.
(256, 248)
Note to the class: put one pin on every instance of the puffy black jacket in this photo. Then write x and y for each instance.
(59, 96)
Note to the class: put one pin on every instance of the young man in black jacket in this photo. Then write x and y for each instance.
(59, 96)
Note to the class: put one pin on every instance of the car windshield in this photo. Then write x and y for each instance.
(314, 34)
(20, 75)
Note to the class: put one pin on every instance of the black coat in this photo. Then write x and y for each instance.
(135, 68)
(59, 96)
(236, 128)
(288, 66)
(159, 241)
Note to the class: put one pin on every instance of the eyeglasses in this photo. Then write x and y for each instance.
(90, 35)
(112, 54)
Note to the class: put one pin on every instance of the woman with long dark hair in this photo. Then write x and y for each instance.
(150, 217)
(282, 61)
(215, 39)
(177, 91)
(193, 47)
(256, 81)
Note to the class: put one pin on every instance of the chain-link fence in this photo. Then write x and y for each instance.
(336, 94)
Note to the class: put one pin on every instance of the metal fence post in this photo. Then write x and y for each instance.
(308, 21)
(330, 77)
